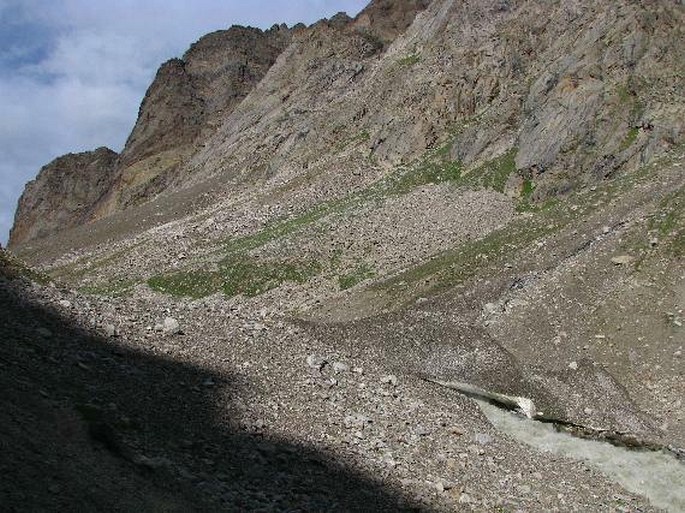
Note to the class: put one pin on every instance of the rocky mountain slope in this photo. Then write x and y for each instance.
(482, 193)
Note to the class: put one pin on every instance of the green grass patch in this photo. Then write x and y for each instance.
(361, 273)
(630, 138)
(457, 265)
(237, 274)
(669, 222)
(429, 172)
(409, 60)
(13, 268)
(113, 289)
(494, 173)
(525, 203)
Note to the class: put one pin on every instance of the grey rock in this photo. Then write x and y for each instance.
(390, 379)
(622, 260)
(44, 332)
(482, 438)
(356, 420)
(170, 326)
(339, 367)
(110, 330)
(315, 362)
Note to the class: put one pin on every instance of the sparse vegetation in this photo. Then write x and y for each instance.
(361, 273)
(13, 268)
(669, 223)
(235, 275)
(409, 60)
(494, 173)
(630, 138)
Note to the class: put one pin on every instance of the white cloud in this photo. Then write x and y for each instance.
(74, 71)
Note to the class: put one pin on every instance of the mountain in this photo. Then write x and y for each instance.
(310, 229)
(63, 194)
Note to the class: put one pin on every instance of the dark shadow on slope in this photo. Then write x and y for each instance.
(89, 425)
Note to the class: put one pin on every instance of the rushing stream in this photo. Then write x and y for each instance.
(658, 476)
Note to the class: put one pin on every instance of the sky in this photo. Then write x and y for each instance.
(73, 72)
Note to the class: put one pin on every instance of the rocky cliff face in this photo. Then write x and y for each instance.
(183, 107)
(553, 104)
(63, 194)
(555, 95)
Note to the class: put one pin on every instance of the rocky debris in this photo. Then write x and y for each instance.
(340, 367)
(390, 379)
(412, 440)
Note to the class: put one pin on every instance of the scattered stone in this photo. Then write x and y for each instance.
(340, 367)
(390, 379)
(356, 420)
(110, 330)
(64, 303)
(389, 460)
(622, 260)
(573, 365)
(490, 309)
(44, 332)
(465, 498)
(442, 485)
(316, 362)
(482, 438)
(422, 431)
(170, 326)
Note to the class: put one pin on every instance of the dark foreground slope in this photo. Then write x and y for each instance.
(90, 421)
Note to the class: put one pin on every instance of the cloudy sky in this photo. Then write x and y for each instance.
(73, 72)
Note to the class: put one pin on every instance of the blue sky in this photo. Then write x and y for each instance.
(73, 72)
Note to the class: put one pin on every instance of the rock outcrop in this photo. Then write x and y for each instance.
(63, 194)
(554, 95)
(185, 104)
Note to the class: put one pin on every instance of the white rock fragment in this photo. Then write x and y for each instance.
(339, 367)
(315, 362)
(390, 379)
(170, 326)
(110, 330)
(573, 365)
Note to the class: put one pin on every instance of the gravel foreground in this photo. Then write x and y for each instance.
(118, 406)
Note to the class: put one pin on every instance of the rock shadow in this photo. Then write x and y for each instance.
(89, 424)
